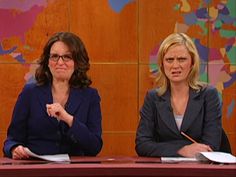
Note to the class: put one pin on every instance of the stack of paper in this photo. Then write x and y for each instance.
(178, 159)
(54, 158)
(219, 157)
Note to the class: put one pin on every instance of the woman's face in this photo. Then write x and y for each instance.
(61, 63)
(177, 64)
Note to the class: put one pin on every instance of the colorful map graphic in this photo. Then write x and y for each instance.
(215, 19)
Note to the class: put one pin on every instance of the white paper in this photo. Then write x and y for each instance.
(177, 159)
(54, 158)
(220, 157)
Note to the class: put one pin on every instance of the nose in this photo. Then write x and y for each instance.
(60, 60)
(175, 63)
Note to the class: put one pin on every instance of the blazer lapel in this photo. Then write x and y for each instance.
(73, 102)
(192, 110)
(45, 97)
(166, 112)
(75, 99)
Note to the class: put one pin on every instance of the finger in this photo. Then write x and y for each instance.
(48, 105)
(209, 149)
(48, 108)
(48, 112)
(19, 153)
(16, 155)
(24, 153)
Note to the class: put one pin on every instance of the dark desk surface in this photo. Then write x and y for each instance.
(113, 166)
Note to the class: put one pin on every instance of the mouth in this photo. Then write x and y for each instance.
(176, 72)
(60, 69)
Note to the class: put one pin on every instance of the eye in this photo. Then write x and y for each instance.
(182, 59)
(169, 60)
(54, 56)
(67, 57)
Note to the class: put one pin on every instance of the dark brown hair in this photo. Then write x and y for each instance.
(79, 78)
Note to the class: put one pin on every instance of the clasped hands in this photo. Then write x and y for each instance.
(57, 111)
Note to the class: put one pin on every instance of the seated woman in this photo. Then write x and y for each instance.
(181, 103)
(59, 113)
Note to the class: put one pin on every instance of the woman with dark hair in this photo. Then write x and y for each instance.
(181, 105)
(59, 113)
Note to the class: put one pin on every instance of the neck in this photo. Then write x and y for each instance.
(62, 87)
(179, 90)
(60, 92)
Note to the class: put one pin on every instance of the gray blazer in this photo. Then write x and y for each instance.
(157, 133)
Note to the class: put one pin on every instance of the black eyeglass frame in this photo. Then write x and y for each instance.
(55, 57)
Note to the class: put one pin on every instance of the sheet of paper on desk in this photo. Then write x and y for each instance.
(220, 157)
(54, 158)
(178, 159)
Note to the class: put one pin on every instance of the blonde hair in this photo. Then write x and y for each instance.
(193, 77)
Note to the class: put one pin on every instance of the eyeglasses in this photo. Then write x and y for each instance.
(56, 57)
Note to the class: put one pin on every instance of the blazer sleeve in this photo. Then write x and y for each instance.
(212, 128)
(17, 131)
(147, 141)
(88, 134)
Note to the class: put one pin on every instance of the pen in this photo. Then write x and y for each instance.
(188, 137)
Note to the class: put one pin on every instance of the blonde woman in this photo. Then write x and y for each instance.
(181, 104)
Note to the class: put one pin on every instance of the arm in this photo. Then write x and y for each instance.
(87, 134)
(147, 140)
(212, 129)
(17, 131)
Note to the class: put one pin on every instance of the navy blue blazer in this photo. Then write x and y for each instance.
(157, 133)
(32, 127)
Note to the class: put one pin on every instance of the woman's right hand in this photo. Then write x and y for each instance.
(19, 153)
(193, 149)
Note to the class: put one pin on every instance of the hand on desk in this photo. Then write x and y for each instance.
(19, 153)
(193, 149)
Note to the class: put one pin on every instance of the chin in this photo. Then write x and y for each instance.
(175, 81)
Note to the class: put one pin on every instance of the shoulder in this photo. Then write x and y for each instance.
(29, 87)
(152, 95)
(153, 92)
(209, 90)
(87, 93)
(34, 87)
